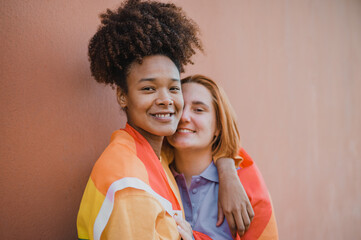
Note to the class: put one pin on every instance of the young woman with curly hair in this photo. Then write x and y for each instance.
(206, 131)
(141, 48)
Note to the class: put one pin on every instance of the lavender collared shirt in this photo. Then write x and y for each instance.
(200, 202)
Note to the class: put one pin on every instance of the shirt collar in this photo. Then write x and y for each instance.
(210, 173)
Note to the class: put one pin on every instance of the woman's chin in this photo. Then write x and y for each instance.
(180, 145)
(164, 133)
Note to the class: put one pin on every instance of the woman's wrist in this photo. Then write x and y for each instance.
(225, 167)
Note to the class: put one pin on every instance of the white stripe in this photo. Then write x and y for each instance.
(108, 203)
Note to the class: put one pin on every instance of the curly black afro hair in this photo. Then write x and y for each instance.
(138, 29)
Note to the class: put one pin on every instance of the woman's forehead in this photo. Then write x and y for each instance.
(152, 68)
(196, 93)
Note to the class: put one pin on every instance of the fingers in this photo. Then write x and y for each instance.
(239, 221)
(184, 228)
(220, 217)
(182, 223)
(184, 234)
(239, 224)
(250, 211)
(246, 220)
(231, 223)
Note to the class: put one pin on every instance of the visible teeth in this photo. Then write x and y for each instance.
(184, 130)
(162, 115)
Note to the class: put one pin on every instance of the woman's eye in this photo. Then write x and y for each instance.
(198, 109)
(174, 89)
(148, 88)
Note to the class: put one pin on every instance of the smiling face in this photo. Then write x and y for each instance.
(154, 99)
(197, 127)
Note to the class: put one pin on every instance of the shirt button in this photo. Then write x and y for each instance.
(198, 180)
(194, 191)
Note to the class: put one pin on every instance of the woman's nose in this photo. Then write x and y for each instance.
(164, 99)
(185, 116)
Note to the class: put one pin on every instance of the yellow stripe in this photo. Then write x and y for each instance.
(270, 232)
(88, 211)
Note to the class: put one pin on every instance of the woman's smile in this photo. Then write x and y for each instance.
(163, 116)
(185, 130)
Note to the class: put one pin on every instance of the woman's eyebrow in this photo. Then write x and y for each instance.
(154, 79)
(200, 103)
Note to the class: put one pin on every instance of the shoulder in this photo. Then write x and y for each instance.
(121, 145)
(118, 160)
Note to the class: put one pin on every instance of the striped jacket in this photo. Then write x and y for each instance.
(128, 195)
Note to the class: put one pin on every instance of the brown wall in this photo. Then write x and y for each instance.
(291, 69)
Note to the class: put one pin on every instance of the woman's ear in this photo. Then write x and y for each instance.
(122, 98)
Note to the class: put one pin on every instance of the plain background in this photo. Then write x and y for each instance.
(292, 70)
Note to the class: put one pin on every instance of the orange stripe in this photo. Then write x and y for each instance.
(114, 163)
(158, 181)
(257, 192)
